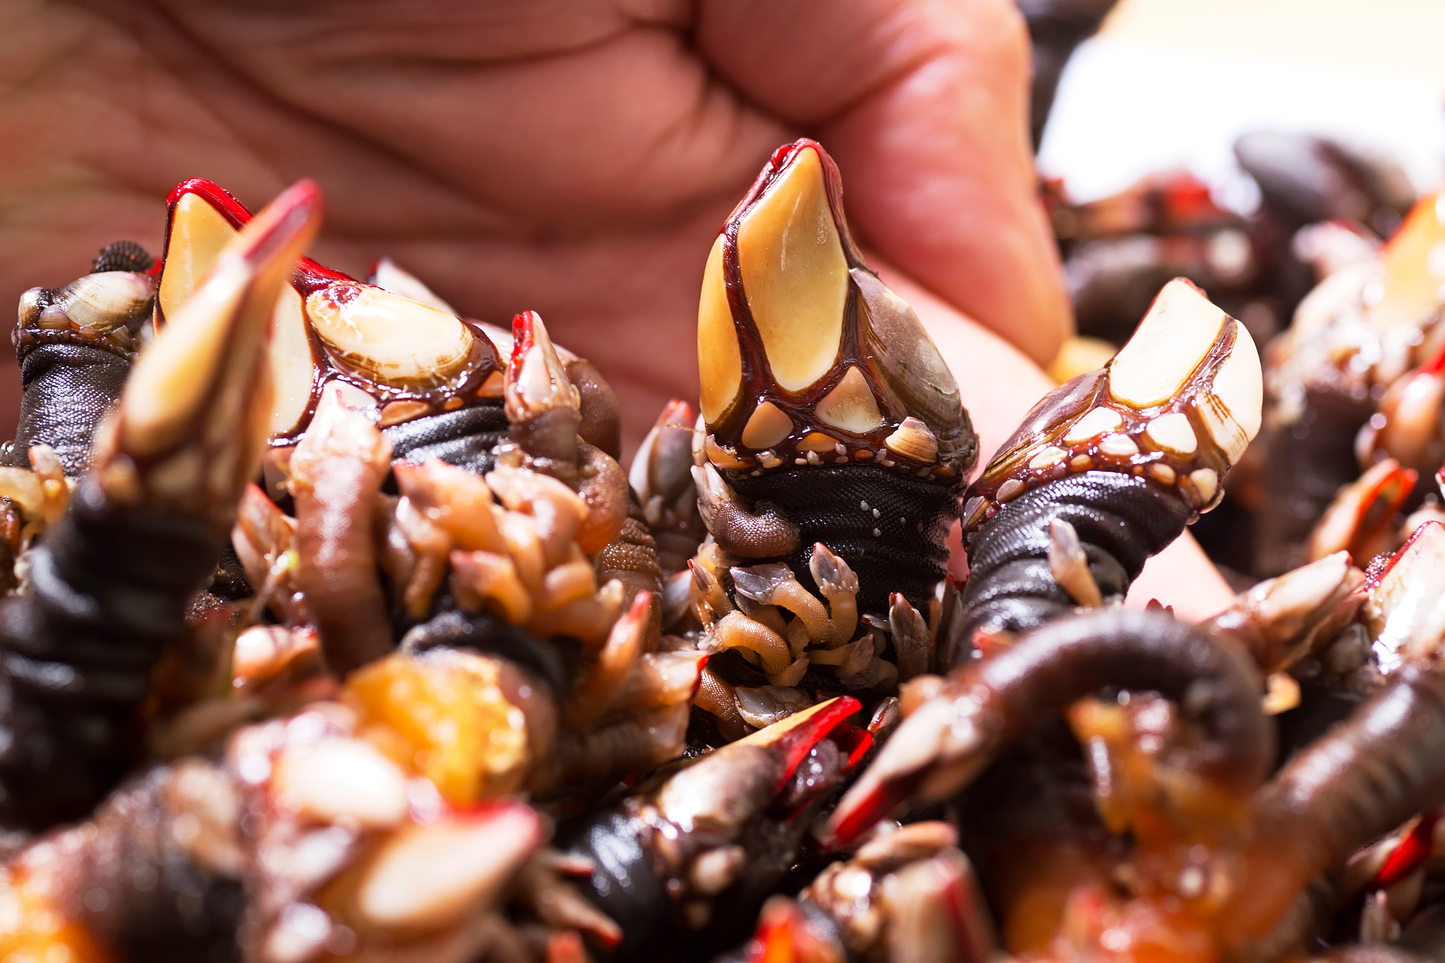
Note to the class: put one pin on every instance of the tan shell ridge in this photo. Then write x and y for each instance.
(757, 374)
(758, 384)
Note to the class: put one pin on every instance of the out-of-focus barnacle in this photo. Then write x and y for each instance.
(1124, 457)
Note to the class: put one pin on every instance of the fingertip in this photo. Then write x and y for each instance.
(1183, 577)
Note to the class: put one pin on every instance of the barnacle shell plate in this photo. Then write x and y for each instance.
(387, 338)
(794, 273)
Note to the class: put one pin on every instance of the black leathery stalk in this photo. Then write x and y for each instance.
(599, 415)
(1037, 796)
(844, 506)
(67, 390)
(123, 256)
(632, 883)
(1212, 680)
(1366, 775)
(1348, 788)
(110, 589)
(1121, 520)
(464, 437)
(624, 883)
(68, 387)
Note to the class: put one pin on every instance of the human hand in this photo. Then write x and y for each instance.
(566, 156)
(571, 156)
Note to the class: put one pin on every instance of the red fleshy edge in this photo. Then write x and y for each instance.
(1412, 852)
(309, 276)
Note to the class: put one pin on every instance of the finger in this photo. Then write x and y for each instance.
(924, 105)
(999, 386)
(1182, 576)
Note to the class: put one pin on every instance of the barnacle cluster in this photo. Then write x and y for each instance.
(335, 630)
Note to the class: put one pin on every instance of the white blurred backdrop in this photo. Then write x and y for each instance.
(1172, 83)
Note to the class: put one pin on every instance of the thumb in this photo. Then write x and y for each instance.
(925, 107)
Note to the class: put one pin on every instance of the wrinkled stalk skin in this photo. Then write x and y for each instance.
(632, 559)
(1121, 521)
(1359, 781)
(72, 372)
(988, 705)
(551, 440)
(464, 437)
(685, 861)
(1056, 664)
(626, 885)
(67, 388)
(902, 549)
(1029, 825)
(110, 590)
(335, 542)
(599, 414)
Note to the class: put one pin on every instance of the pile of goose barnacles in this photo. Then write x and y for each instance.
(336, 631)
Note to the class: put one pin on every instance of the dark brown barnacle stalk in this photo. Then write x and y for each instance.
(111, 582)
(75, 345)
(1185, 789)
(829, 414)
(1360, 780)
(1107, 469)
(687, 857)
(336, 477)
(946, 742)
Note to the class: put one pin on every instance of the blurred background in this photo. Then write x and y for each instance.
(1250, 145)
(1173, 82)
(1253, 146)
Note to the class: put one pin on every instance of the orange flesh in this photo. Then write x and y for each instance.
(1073, 908)
(448, 721)
(1414, 264)
(32, 928)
